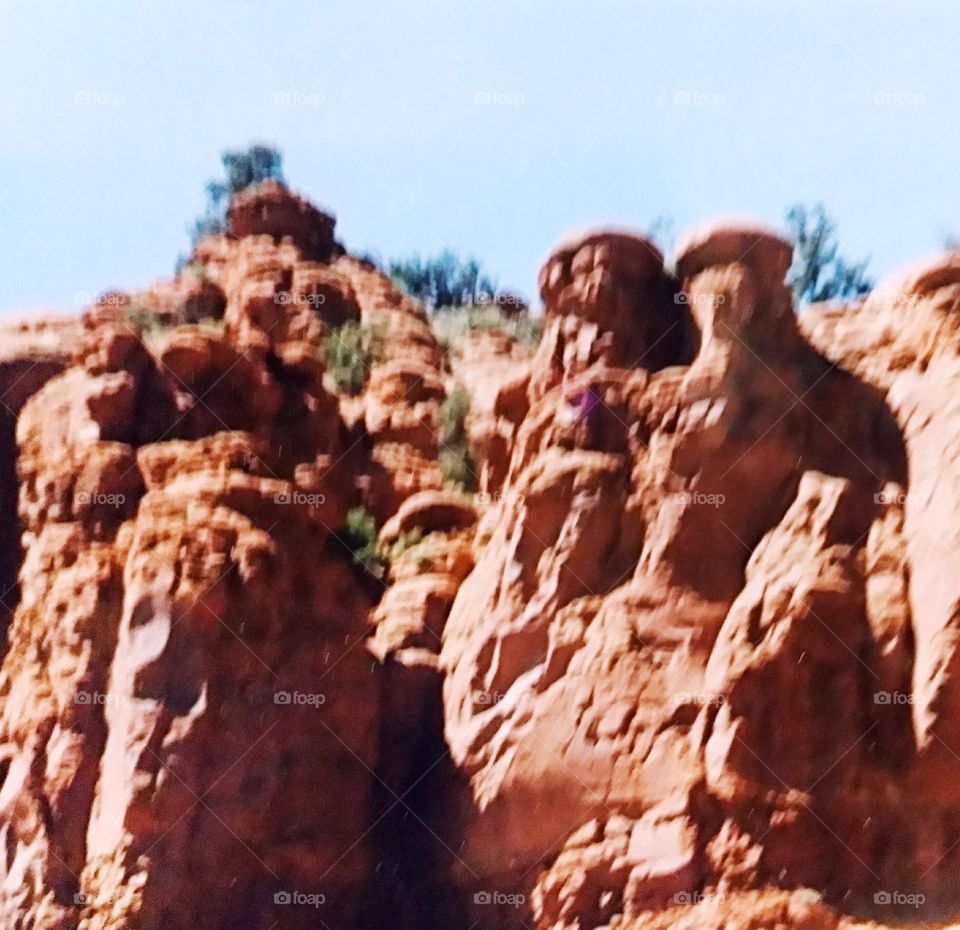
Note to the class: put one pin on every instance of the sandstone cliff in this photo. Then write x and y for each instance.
(687, 658)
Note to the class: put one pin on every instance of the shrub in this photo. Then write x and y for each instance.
(195, 270)
(359, 535)
(451, 324)
(455, 459)
(350, 351)
(146, 322)
(407, 541)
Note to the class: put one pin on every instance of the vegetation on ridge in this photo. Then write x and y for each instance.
(350, 351)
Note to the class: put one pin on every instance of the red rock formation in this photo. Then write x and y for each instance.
(687, 575)
(688, 660)
(167, 499)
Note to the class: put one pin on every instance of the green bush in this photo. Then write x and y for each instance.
(350, 351)
(407, 541)
(143, 320)
(455, 459)
(359, 535)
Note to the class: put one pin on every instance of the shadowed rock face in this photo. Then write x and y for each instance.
(30, 354)
(688, 660)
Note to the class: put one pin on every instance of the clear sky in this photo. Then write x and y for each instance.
(492, 127)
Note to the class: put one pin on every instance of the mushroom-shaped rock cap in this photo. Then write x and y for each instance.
(728, 241)
(629, 253)
(625, 248)
(921, 278)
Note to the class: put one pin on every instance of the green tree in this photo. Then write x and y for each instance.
(818, 271)
(443, 280)
(242, 168)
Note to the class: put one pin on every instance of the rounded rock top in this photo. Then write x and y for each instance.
(622, 247)
(730, 240)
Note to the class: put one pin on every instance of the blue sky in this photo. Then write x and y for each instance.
(492, 127)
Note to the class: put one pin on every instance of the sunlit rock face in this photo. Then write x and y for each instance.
(687, 658)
